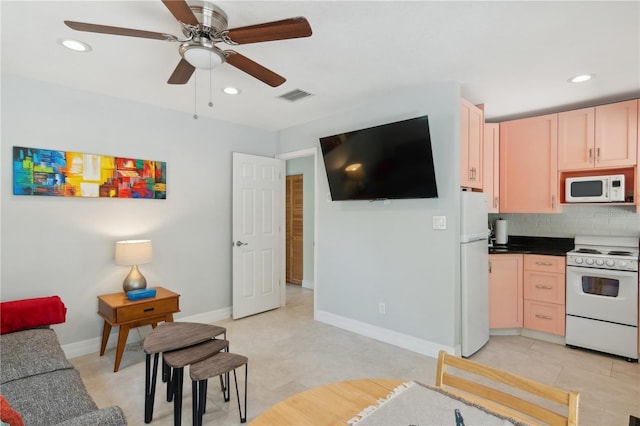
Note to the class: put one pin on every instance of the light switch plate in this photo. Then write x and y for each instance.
(439, 222)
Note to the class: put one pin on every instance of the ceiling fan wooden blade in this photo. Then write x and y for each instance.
(129, 32)
(182, 73)
(269, 31)
(253, 69)
(181, 10)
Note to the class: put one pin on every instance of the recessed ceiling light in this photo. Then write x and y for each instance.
(231, 91)
(75, 45)
(581, 78)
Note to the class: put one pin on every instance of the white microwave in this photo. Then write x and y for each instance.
(595, 189)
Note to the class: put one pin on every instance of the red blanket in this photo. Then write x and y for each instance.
(18, 315)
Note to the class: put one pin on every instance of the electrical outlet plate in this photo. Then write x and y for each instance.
(439, 222)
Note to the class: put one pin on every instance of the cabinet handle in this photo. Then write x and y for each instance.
(590, 155)
(598, 154)
(544, 317)
(489, 266)
(544, 263)
(545, 287)
(553, 201)
(149, 309)
(497, 202)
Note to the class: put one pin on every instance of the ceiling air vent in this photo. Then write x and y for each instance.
(295, 95)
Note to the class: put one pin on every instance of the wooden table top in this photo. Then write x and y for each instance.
(119, 299)
(332, 404)
(170, 336)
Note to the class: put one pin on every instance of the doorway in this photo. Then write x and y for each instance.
(302, 163)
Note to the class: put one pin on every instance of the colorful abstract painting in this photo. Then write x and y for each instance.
(73, 174)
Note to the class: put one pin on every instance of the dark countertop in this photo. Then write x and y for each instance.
(534, 245)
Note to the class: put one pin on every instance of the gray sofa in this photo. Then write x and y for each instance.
(43, 387)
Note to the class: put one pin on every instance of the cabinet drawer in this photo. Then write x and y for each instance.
(147, 309)
(545, 317)
(544, 287)
(535, 262)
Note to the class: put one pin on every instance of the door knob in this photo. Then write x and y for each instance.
(240, 243)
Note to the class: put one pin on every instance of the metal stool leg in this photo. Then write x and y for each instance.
(178, 374)
(194, 402)
(202, 396)
(206, 389)
(226, 391)
(235, 379)
(150, 386)
(170, 379)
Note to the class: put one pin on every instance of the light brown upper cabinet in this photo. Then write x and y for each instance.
(600, 137)
(529, 165)
(471, 151)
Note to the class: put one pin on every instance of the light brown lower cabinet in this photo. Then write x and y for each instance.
(544, 293)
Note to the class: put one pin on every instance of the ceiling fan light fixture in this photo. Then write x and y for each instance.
(202, 57)
(75, 45)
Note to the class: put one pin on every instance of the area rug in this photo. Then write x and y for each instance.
(415, 404)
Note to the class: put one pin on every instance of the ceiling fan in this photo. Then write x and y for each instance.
(204, 25)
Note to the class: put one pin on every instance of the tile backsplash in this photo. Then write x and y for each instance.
(575, 220)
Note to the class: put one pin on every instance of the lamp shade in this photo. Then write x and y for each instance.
(133, 252)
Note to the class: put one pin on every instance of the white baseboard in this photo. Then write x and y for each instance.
(505, 332)
(307, 284)
(541, 335)
(84, 347)
(404, 341)
(533, 334)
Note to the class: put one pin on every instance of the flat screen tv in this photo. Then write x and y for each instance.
(390, 161)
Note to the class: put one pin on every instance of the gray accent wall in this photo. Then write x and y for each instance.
(65, 246)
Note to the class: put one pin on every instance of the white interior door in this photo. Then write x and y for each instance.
(257, 204)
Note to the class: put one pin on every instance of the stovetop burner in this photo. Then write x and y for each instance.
(619, 253)
(588, 250)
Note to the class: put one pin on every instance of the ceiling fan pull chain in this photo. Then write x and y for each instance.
(195, 95)
(210, 83)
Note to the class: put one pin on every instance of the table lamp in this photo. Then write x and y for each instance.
(133, 253)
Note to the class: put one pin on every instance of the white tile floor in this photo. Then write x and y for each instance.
(289, 352)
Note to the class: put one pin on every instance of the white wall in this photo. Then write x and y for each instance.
(373, 252)
(64, 246)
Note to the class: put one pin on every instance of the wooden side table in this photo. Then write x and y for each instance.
(117, 310)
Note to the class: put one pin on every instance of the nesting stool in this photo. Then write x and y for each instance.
(216, 365)
(176, 361)
(166, 337)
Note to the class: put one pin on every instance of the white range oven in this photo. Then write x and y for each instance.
(602, 295)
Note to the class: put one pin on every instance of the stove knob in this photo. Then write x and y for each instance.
(578, 260)
(622, 263)
(589, 261)
(599, 262)
(610, 263)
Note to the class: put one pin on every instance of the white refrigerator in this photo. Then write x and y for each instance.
(474, 272)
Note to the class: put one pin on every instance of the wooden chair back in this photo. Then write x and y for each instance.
(500, 401)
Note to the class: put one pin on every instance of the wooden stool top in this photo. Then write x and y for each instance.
(216, 365)
(192, 354)
(170, 336)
